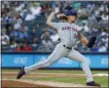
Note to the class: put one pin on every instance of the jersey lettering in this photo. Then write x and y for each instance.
(69, 28)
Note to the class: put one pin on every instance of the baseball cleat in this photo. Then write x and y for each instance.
(21, 73)
(92, 83)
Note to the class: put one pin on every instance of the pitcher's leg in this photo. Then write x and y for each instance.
(75, 55)
(57, 54)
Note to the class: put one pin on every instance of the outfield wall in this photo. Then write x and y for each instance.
(16, 60)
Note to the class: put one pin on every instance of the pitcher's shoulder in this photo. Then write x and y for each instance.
(77, 27)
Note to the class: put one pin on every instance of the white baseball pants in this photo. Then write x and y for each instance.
(59, 52)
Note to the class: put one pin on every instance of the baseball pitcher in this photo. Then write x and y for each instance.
(69, 33)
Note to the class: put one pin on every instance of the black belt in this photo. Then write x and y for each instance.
(67, 47)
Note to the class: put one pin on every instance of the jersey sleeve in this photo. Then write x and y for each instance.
(56, 25)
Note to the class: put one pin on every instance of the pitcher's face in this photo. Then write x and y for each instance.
(71, 18)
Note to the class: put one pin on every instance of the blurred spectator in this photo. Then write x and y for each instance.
(35, 9)
(18, 21)
(4, 39)
(54, 37)
(7, 23)
(38, 30)
(104, 16)
(22, 33)
(19, 48)
(35, 33)
(13, 44)
(46, 41)
(26, 19)
(20, 7)
(27, 48)
(29, 17)
(35, 42)
(85, 28)
(23, 47)
(102, 48)
(13, 35)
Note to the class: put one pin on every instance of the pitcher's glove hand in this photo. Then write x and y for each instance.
(91, 42)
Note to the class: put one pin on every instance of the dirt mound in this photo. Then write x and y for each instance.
(12, 83)
(9, 81)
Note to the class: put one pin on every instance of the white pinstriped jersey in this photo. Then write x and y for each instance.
(67, 32)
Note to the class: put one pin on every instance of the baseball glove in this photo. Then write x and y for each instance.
(91, 42)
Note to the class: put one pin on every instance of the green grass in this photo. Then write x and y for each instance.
(79, 80)
(102, 80)
(67, 80)
(55, 71)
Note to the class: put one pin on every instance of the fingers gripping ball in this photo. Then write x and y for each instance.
(91, 42)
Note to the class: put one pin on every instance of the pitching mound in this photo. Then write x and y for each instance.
(8, 83)
(13, 83)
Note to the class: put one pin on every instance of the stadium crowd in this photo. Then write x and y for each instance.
(23, 25)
